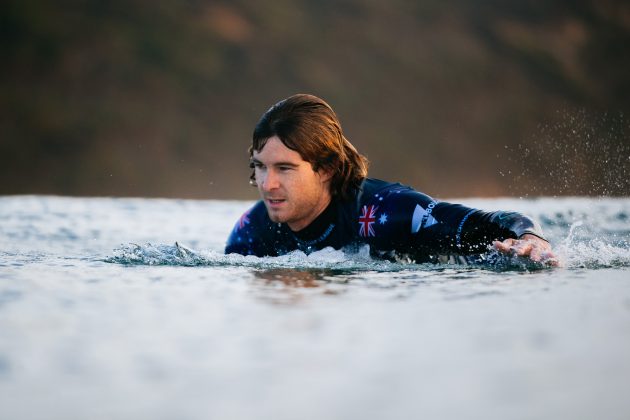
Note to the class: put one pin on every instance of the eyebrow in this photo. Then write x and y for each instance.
(254, 160)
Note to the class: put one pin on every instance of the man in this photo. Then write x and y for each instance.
(315, 194)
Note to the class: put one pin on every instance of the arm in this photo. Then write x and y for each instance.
(423, 227)
(522, 236)
(509, 233)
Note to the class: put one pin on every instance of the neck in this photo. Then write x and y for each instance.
(317, 211)
(322, 223)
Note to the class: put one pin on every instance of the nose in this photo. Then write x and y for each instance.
(269, 181)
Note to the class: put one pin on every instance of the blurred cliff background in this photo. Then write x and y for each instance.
(456, 97)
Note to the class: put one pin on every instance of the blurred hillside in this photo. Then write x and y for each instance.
(457, 98)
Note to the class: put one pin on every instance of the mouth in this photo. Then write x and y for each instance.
(275, 202)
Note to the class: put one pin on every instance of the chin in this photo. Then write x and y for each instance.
(275, 217)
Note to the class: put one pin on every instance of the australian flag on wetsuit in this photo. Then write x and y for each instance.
(395, 220)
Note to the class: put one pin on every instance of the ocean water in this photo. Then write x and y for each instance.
(117, 308)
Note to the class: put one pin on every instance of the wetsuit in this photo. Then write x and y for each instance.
(395, 220)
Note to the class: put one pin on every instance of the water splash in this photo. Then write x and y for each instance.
(576, 152)
(583, 248)
(180, 255)
(571, 234)
(596, 253)
(327, 258)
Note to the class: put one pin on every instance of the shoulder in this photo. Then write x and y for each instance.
(253, 216)
(377, 192)
(249, 231)
(392, 208)
(371, 186)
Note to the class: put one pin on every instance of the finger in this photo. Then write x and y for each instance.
(504, 246)
(536, 254)
(501, 247)
(523, 249)
(550, 259)
(552, 262)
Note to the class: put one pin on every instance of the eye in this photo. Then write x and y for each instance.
(285, 168)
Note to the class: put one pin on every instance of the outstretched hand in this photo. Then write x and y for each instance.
(528, 246)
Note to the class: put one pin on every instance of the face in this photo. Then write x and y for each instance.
(293, 192)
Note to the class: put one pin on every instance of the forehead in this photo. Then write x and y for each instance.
(275, 151)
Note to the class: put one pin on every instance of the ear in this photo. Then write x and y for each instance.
(325, 174)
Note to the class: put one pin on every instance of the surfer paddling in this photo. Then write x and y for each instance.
(315, 193)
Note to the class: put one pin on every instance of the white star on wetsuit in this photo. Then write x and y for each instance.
(383, 219)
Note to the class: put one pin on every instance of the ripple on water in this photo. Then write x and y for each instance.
(328, 258)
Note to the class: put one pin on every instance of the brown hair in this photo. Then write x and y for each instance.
(308, 125)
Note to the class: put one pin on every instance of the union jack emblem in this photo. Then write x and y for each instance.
(367, 220)
(243, 220)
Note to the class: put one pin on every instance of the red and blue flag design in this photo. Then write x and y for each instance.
(367, 220)
(243, 220)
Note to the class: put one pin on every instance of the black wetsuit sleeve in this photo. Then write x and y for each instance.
(417, 225)
(467, 230)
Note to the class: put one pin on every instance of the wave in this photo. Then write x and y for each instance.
(327, 258)
(180, 255)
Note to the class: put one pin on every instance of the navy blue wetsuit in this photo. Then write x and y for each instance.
(395, 220)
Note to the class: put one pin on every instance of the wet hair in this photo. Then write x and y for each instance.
(309, 126)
